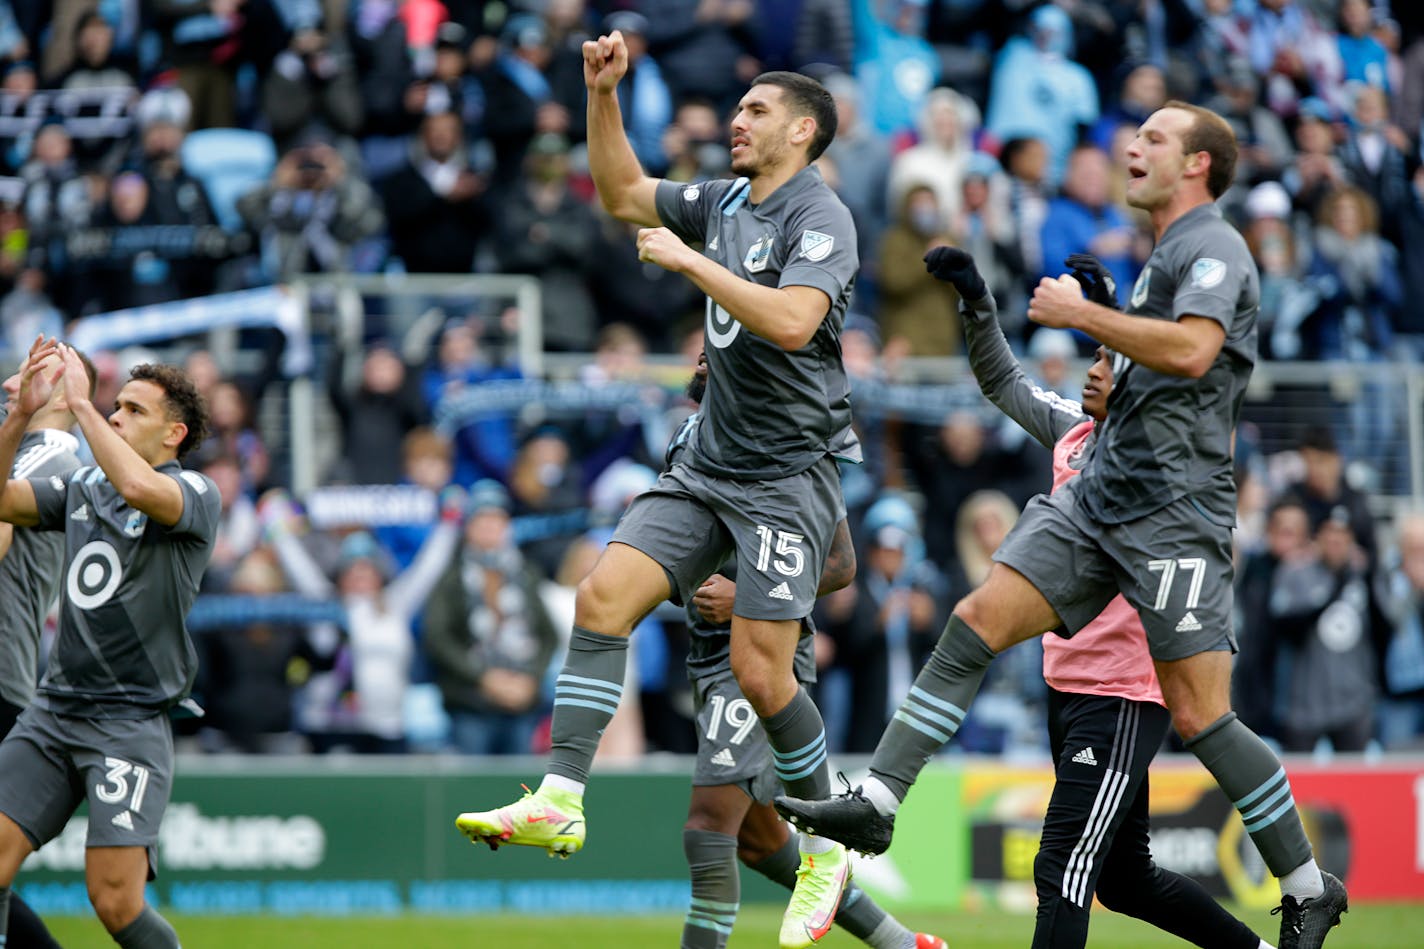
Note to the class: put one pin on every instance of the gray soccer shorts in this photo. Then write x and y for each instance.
(732, 748)
(780, 530)
(1173, 566)
(50, 764)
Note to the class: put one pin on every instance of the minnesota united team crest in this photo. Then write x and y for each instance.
(758, 255)
(1140, 288)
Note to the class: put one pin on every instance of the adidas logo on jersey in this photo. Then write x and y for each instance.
(712, 244)
(1085, 757)
(1188, 624)
(724, 758)
(81, 513)
(123, 819)
(780, 592)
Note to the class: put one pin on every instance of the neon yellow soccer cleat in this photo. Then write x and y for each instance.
(820, 881)
(551, 819)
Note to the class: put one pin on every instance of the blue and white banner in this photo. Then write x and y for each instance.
(265, 306)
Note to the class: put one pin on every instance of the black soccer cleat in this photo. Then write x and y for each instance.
(1305, 924)
(849, 818)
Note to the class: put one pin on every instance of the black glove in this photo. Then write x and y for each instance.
(955, 266)
(1097, 282)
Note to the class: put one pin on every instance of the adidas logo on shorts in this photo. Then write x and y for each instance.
(1085, 757)
(123, 819)
(1189, 624)
(780, 592)
(80, 514)
(724, 758)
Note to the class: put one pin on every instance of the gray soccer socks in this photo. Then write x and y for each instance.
(148, 931)
(934, 709)
(798, 746)
(585, 697)
(716, 888)
(1251, 775)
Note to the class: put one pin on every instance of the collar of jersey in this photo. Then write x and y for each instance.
(807, 177)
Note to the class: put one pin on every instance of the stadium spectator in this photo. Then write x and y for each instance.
(1323, 488)
(234, 434)
(380, 606)
(437, 204)
(162, 117)
(1295, 55)
(310, 213)
(1142, 92)
(1316, 170)
(1375, 155)
(488, 635)
(546, 231)
(251, 672)
(312, 89)
(546, 479)
(916, 310)
(985, 228)
(1320, 612)
(1265, 145)
(860, 161)
(484, 447)
(695, 144)
(1357, 273)
(239, 530)
(427, 461)
(1038, 92)
(376, 410)
(1255, 677)
(1363, 58)
(705, 48)
(895, 64)
(941, 157)
(1026, 162)
(96, 64)
(1084, 219)
(521, 102)
(1400, 638)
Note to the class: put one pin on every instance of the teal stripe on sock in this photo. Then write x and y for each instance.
(937, 702)
(582, 703)
(1286, 806)
(715, 906)
(793, 757)
(716, 927)
(598, 683)
(798, 775)
(1267, 804)
(1261, 790)
(937, 735)
(587, 693)
(950, 724)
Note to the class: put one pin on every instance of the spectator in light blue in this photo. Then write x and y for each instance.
(643, 95)
(1363, 57)
(1037, 91)
(1083, 218)
(895, 64)
(485, 447)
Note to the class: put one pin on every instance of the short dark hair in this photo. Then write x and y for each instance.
(1212, 134)
(184, 402)
(806, 97)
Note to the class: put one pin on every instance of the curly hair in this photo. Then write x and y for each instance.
(183, 400)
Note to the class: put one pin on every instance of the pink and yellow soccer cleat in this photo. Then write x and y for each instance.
(548, 818)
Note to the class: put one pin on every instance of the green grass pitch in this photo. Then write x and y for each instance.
(1394, 926)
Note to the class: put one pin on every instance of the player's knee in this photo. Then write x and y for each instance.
(1189, 719)
(753, 849)
(116, 901)
(599, 607)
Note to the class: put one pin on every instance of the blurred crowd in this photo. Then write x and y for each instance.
(162, 150)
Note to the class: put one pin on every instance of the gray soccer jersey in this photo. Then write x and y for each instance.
(123, 649)
(769, 413)
(1169, 437)
(29, 574)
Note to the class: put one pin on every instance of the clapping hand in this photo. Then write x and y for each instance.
(1097, 281)
(956, 266)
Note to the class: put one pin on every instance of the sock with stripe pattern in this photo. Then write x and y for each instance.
(585, 697)
(798, 746)
(934, 709)
(716, 888)
(1252, 777)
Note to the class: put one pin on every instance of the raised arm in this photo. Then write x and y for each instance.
(1042, 413)
(625, 191)
(37, 382)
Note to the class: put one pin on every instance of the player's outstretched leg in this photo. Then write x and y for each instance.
(586, 695)
(864, 817)
(1251, 775)
(858, 915)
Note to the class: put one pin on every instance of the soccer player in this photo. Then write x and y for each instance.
(138, 532)
(730, 814)
(1149, 517)
(760, 476)
(29, 579)
(1106, 716)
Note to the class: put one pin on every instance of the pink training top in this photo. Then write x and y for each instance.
(1108, 656)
